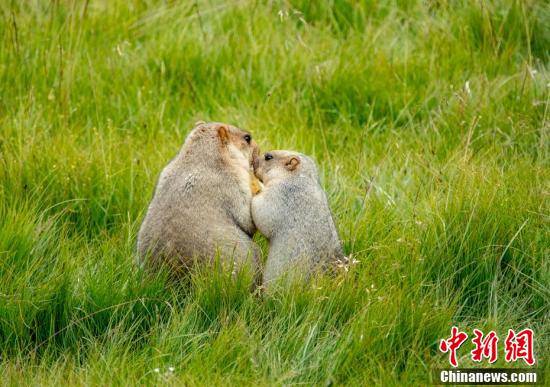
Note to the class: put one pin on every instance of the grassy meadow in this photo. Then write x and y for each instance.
(429, 122)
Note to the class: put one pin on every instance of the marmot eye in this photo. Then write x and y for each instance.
(247, 138)
(268, 156)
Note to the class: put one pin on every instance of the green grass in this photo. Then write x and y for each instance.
(429, 122)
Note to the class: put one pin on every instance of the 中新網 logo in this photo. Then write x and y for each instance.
(517, 345)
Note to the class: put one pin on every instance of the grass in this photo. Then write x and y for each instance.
(429, 121)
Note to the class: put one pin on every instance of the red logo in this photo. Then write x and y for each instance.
(516, 346)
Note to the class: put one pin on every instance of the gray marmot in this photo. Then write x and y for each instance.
(201, 204)
(292, 211)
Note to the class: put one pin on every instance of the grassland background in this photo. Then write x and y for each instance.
(429, 121)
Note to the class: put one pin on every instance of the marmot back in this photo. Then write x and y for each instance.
(201, 204)
(292, 211)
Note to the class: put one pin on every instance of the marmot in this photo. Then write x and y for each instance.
(201, 204)
(292, 211)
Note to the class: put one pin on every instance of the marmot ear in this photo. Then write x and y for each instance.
(223, 134)
(198, 123)
(292, 163)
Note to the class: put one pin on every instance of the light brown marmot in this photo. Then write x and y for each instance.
(201, 204)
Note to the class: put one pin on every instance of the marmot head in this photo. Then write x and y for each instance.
(282, 164)
(235, 144)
